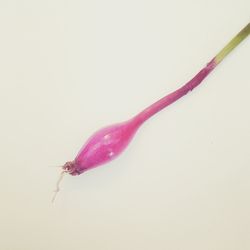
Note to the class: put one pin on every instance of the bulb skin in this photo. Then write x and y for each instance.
(103, 146)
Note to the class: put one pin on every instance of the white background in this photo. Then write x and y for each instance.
(67, 68)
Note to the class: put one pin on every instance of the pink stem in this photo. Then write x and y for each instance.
(174, 96)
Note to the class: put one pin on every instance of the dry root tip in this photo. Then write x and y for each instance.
(58, 185)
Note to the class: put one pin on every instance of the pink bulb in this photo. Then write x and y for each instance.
(103, 146)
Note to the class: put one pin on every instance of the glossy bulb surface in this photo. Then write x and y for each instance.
(103, 146)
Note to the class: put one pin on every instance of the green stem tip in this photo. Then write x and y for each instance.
(233, 43)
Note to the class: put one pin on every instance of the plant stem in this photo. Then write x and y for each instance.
(195, 81)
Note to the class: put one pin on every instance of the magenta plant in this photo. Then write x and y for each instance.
(109, 142)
